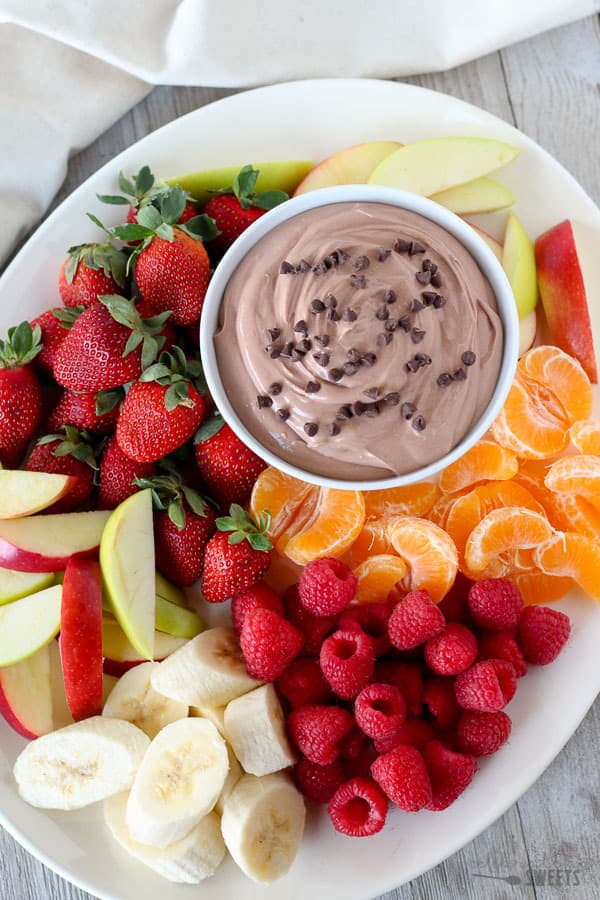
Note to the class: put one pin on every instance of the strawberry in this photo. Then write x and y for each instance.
(55, 325)
(183, 524)
(237, 556)
(109, 345)
(140, 190)
(67, 453)
(118, 474)
(20, 392)
(235, 209)
(227, 467)
(97, 413)
(89, 271)
(162, 410)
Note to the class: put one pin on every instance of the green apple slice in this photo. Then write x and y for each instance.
(176, 620)
(28, 624)
(518, 261)
(127, 563)
(352, 165)
(168, 590)
(482, 195)
(14, 585)
(436, 164)
(23, 493)
(273, 176)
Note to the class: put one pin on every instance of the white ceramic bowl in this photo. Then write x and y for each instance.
(486, 260)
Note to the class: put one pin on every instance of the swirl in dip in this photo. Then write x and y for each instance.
(359, 341)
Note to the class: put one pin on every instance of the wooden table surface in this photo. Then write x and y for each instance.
(546, 846)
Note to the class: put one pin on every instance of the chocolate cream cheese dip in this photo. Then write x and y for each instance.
(358, 341)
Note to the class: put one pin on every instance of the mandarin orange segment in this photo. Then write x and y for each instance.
(486, 461)
(537, 587)
(567, 512)
(377, 576)
(411, 500)
(429, 553)
(438, 514)
(577, 475)
(282, 495)
(529, 425)
(572, 555)
(372, 540)
(585, 436)
(501, 530)
(563, 376)
(334, 525)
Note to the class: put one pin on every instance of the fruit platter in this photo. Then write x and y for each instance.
(217, 671)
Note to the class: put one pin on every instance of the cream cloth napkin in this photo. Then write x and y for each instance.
(69, 68)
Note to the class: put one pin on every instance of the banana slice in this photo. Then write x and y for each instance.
(178, 783)
(189, 861)
(214, 714)
(80, 764)
(134, 699)
(208, 671)
(233, 776)
(263, 824)
(255, 728)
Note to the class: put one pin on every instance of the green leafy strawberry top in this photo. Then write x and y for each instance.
(244, 185)
(21, 346)
(72, 442)
(107, 257)
(169, 492)
(243, 527)
(176, 372)
(67, 315)
(143, 331)
(139, 189)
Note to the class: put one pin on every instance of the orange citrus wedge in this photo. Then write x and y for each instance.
(377, 576)
(486, 461)
(429, 553)
(334, 524)
(585, 436)
(577, 475)
(412, 500)
(509, 528)
(572, 555)
(563, 376)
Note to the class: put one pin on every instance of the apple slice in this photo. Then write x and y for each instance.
(482, 195)
(45, 543)
(23, 493)
(527, 331)
(563, 293)
(28, 624)
(494, 245)
(176, 620)
(14, 585)
(60, 708)
(169, 591)
(26, 695)
(518, 261)
(120, 655)
(353, 165)
(127, 562)
(273, 176)
(80, 640)
(436, 164)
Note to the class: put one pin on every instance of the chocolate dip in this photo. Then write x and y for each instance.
(359, 341)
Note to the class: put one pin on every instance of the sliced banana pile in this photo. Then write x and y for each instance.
(188, 757)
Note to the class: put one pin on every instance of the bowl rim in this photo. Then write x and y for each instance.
(352, 193)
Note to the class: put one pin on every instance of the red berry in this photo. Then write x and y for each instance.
(414, 733)
(380, 710)
(452, 651)
(414, 620)
(403, 776)
(117, 474)
(450, 773)
(326, 587)
(314, 628)
(347, 662)
(455, 605)
(319, 783)
(303, 682)
(353, 744)
(482, 733)
(502, 645)
(269, 644)
(487, 686)
(495, 604)
(542, 633)
(360, 766)
(440, 700)
(319, 730)
(258, 596)
(358, 808)
(407, 677)
(373, 619)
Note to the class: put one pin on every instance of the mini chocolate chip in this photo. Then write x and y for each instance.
(336, 374)
(322, 339)
(389, 296)
(468, 358)
(391, 325)
(275, 353)
(439, 301)
(286, 268)
(412, 366)
(460, 375)
(330, 261)
(313, 387)
(429, 266)
(275, 388)
(393, 398)
(344, 412)
(436, 280)
(358, 281)
(311, 428)
(444, 379)
(333, 429)
(350, 368)
(287, 350)
(330, 301)
(297, 354)
(382, 253)
(283, 414)
(263, 401)
(405, 323)
(382, 313)
(407, 410)
(423, 277)
(402, 246)
(319, 269)
(333, 315)
(349, 315)
(303, 266)
(322, 358)
(305, 345)
(419, 423)
(317, 305)
(342, 256)
(417, 335)
(415, 247)
(372, 393)
(367, 360)
(428, 297)
(384, 339)
(362, 262)
(423, 359)
(372, 410)
(353, 355)
(301, 326)
(359, 407)
(274, 333)
(416, 305)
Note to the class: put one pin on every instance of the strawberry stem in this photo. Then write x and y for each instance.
(243, 527)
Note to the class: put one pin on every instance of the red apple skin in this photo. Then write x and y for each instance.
(562, 290)
(118, 667)
(80, 639)
(13, 557)
(8, 713)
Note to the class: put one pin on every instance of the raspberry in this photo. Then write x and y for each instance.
(440, 699)
(450, 773)
(407, 677)
(373, 619)
(326, 587)
(413, 733)
(314, 628)
(269, 644)
(542, 633)
(353, 744)
(319, 730)
(487, 686)
(502, 645)
(347, 662)
(360, 766)
(303, 682)
(259, 596)
(414, 620)
(403, 776)
(495, 604)
(379, 710)
(358, 808)
(316, 782)
(452, 651)
(454, 605)
(482, 733)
